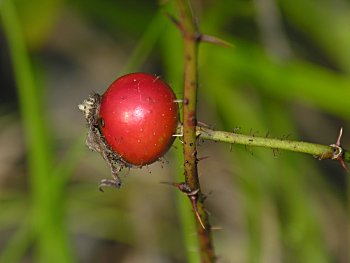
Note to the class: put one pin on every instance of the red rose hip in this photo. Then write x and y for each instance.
(139, 116)
(132, 123)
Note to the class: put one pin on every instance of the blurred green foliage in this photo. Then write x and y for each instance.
(287, 75)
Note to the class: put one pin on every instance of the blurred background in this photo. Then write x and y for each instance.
(287, 76)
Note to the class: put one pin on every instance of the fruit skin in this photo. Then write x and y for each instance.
(138, 117)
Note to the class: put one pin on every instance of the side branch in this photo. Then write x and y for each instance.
(333, 151)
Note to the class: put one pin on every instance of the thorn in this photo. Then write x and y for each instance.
(193, 199)
(216, 228)
(275, 152)
(342, 163)
(253, 133)
(170, 183)
(178, 101)
(192, 195)
(157, 78)
(180, 26)
(205, 125)
(236, 129)
(338, 151)
(215, 40)
(339, 136)
(285, 137)
(194, 153)
(202, 158)
(175, 21)
(179, 131)
(183, 187)
(248, 150)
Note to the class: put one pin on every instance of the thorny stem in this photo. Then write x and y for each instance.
(191, 40)
(318, 150)
(191, 132)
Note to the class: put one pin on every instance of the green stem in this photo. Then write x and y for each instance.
(190, 37)
(317, 150)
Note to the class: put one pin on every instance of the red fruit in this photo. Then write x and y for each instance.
(138, 117)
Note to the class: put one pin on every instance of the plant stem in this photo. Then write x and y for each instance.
(317, 150)
(191, 40)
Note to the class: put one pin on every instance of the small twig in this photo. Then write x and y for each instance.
(332, 152)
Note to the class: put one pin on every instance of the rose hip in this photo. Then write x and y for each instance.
(132, 123)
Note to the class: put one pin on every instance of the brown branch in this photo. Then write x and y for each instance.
(191, 40)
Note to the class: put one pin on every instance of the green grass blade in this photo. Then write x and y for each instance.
(48, 215)
(17, 245)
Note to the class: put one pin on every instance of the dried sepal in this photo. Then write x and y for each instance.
(96, 142)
